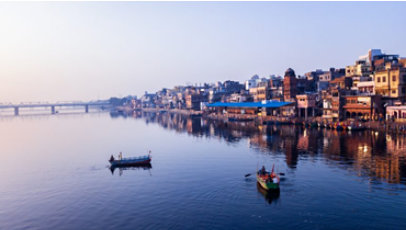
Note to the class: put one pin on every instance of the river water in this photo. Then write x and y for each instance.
(54, 175)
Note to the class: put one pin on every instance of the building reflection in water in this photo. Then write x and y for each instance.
(375, 155)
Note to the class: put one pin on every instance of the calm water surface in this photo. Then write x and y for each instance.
(55, 175)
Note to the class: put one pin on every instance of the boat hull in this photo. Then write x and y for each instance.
(267, 185)
(124, 162)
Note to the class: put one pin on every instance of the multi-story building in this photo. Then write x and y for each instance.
(241, 96)
(336, 104)
(331, 74)
(396, 112)
(324, 78)
(363, 107)
(341, 83)
(261, 92)
(370, 56)
(314, 75)
(361, 68)
(232, 87)
(289, 85)
(359, 72)
(193, 101)
(306, 105)
(276, 88)
(380, 61)
(251, 83)
(390, 81)
(366, 88)
(148, 100)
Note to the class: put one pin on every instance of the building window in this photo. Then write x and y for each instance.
(393, 91)
(403, 90)
(393, 77)
(404, 78)
(383, 79)
(379, 79)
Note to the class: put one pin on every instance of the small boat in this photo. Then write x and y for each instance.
(338, 126)
(131, 161)
(356, 127)
(267, 180)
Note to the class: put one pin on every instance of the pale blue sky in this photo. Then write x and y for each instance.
(82, 51)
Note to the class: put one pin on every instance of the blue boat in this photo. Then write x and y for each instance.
(130, 161)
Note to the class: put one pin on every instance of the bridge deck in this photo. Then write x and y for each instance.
(53, 105)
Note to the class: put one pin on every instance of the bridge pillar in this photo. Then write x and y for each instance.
(86, 108)
(53, 109)
(16, 112)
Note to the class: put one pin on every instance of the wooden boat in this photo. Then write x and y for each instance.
(356, 127)
(344, 126)
(267, 180)
(337, 126)
(131, 161)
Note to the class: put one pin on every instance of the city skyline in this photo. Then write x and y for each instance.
(87, 51)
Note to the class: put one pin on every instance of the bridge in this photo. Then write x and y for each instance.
(52, 106)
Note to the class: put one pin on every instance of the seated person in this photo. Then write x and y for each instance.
(262, 171)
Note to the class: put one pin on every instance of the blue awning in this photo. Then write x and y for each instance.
(260, 104)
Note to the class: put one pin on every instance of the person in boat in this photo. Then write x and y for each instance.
(112, 158)
(262, 171)
(120, 156)
(275, 179)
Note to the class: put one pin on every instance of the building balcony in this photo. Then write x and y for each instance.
(356, 106)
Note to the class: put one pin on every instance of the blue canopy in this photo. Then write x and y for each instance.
(265, 104)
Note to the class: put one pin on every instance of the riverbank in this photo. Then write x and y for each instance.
(353, 125)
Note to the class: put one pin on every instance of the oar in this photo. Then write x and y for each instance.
(249, 174)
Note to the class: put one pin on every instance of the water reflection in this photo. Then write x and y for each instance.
(270, 196)
(123, 168)
(378, 156)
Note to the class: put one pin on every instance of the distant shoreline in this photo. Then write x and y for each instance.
(378, 126)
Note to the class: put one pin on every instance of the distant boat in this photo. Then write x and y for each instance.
(267, 180)
(131, 161)
(356, 127)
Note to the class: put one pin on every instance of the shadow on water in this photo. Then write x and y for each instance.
(123, 168)
(373, 155)
(270, 196)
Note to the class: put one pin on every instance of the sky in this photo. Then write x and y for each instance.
(64, 51)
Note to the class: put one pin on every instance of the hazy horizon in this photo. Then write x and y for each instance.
(55, 51)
